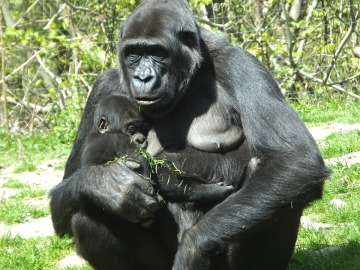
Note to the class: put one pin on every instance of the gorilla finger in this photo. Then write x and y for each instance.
(135, 213)
(147, 223)
(145, 187)
(132, 164)
(150, 203)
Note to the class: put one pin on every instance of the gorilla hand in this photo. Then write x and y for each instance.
(117, 189)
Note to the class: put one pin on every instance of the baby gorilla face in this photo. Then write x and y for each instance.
(118, 132)
(117, 114)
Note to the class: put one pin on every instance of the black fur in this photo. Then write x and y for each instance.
(119, 132)
(194, 90)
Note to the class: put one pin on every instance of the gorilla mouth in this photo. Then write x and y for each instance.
(153, 107)
(146, 102)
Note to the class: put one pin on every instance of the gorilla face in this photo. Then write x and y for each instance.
(159, 52)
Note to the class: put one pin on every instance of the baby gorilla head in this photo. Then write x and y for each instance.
(118, 132)
(117, 114)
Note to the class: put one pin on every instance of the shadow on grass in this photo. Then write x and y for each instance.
(344, 257)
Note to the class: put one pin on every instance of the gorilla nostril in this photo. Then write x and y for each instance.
(140, 140)
(148, 79)
(143, 79)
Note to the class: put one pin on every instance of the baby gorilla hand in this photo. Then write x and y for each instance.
(176, 188)
(118, 190)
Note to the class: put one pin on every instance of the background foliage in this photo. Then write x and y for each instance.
(52, 51)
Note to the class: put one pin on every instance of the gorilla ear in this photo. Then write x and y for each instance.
(103, 125)
(189, 38)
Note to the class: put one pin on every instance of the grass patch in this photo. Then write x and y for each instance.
(15, 209)
(337, 247)
(27, 151)
(326, 112)
(42, 253)
(340, 143)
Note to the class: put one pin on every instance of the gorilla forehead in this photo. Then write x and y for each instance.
(158, 18)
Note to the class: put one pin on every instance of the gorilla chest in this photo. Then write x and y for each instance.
(214, 128)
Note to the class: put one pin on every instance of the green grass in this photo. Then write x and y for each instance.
(16, 210)
(327, 112)
(41, 253)
(26, 152)
(345, 232)
(340, 143)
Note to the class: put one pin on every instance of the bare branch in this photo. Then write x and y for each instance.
(47, 26)
(346, 80)
(75, 7)
(307, 20)
(29, 107)
(25, 63)
(342, 43)
(56, 78)
(222, 26)
(4, 87)
(289, 35)
(27, 11)
(9, 21)
(315, 79)
(48, 71)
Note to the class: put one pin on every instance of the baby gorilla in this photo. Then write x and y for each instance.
(119, 131)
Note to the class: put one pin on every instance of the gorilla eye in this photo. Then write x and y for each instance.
(158, 54)
(103, 125)
(133, 54)
(188, 38)
(131, 130)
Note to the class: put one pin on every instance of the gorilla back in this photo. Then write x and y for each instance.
(193, 88)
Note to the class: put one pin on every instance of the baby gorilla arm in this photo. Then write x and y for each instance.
(182, 179)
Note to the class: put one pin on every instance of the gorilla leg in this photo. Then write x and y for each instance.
(269, 249)
(108, 243)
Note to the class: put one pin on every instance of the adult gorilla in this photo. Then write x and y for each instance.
(195, 91)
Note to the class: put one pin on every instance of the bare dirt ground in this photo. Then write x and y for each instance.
(47, 176)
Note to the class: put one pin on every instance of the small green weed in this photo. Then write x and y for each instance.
(15, 209)
(340, 143)
(330, 111)
(337, 247)
(42, 253)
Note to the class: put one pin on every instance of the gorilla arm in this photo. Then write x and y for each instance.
(114, 188)
(111, 188)
(289, 173)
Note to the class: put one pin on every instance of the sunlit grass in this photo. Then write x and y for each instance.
(16, 209)
(40, 253)
(330, 111)
(339, 246)
(340, 143)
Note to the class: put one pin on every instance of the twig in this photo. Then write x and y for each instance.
(342, 43)
(47, 26)
(307, 20)
(27, 11)
(57, 80)
(75, 7)
(6, 120)
(222, 26)
(48, 71)
(87, 85)
(289, 35)
(346, 80)
(315, 79)
(29, 107)
(31, 58)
